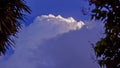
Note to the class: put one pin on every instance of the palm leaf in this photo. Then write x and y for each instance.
(11, 11)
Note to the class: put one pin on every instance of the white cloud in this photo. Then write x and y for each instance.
(30, 39)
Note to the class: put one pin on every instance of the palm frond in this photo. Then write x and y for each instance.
(11, 11)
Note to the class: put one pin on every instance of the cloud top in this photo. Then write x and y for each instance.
(62, 24)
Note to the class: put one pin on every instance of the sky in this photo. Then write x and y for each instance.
(65, 8)
(55, 35)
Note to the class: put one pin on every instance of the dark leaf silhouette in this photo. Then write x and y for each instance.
(107, 50)
(11, 11)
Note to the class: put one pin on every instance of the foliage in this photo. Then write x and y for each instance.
(108, 48)
(11, 11)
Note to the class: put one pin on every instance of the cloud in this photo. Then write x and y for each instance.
(71, 50)
(28, 52)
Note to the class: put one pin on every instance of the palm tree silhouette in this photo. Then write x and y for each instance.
(11, 11)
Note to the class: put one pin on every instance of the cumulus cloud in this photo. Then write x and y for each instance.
(28, 53)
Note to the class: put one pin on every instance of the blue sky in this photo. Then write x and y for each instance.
(56, 35)
(66, 8)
